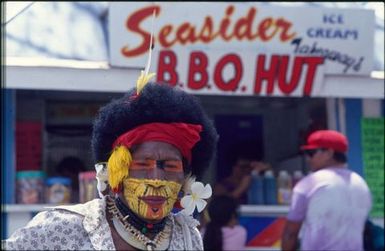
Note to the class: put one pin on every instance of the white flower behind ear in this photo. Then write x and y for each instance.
(196, 198)
(101, 177)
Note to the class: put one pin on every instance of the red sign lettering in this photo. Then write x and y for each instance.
(312, 62)
(170, 67)
(275, 74)
(232, 84)
(282, 61)
(268, 74)
(187, 33)
(289, 87)
(198, 65)
(133, 24)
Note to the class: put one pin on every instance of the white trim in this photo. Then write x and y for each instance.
(342, 115)
(22, 208)
(70, 79)
(353, 87)
(263, 210)
(52, 62)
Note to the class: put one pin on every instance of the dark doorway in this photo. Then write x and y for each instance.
(238, 135)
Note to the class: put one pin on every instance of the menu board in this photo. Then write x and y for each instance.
(28, 145)
(373, 158)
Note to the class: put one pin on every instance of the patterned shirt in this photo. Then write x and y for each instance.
(333, 204)
(85, 227)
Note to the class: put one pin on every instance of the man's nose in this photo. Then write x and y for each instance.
(156, 173)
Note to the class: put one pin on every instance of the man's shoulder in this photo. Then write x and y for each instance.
(311, 182)
(186, 235)
(319, 176)
(48, 230)
(187, 220)
(81, 208)
(305, 181)
(65, 215)
(56, 216)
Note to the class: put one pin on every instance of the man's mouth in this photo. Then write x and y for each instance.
(153, 200)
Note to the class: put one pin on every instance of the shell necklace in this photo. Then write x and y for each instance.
(136, 238)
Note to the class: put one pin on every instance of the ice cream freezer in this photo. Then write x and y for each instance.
(265, 223)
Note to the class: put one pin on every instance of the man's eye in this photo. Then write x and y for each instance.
(141, 164)
(172, 165)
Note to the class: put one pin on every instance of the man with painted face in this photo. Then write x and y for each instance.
(147, 146)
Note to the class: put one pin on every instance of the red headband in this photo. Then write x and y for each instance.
(181, 135)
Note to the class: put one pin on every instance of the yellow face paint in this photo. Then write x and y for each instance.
(150, 199)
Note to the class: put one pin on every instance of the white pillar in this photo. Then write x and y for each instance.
(371, 108)
(331, 113)
(342, 115)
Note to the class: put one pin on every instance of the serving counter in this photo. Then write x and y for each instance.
(264, 223)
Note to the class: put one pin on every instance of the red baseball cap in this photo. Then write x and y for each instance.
(327, 139)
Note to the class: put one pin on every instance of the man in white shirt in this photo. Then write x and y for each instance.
(332, 203)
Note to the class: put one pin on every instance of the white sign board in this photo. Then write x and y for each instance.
(242, 48)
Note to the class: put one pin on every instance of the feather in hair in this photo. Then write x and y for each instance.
(118, 165)
(145, 76)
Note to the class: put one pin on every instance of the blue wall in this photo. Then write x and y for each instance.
(7, 153)
(353, 112)
(8, 147)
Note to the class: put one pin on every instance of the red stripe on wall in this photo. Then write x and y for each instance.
(270, 235)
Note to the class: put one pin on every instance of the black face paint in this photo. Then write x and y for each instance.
(160, 164)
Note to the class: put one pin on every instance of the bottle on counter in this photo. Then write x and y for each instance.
(58, 190)
(255, 193)
(284, 183)
(87, 186)
(269, 188)
(30, 187)
(297, 176)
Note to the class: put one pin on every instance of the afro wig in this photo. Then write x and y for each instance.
(156, 103)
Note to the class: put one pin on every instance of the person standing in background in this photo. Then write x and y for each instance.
(223, 232)
(237, 184)
(332, 203)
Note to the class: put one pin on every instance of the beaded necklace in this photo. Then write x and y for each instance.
(138, 223)
(136, 238)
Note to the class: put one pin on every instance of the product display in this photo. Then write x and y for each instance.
(30, 187)
(269, 188)
(255, 193)
(284, 186)
(87, 186)
(58, 190)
